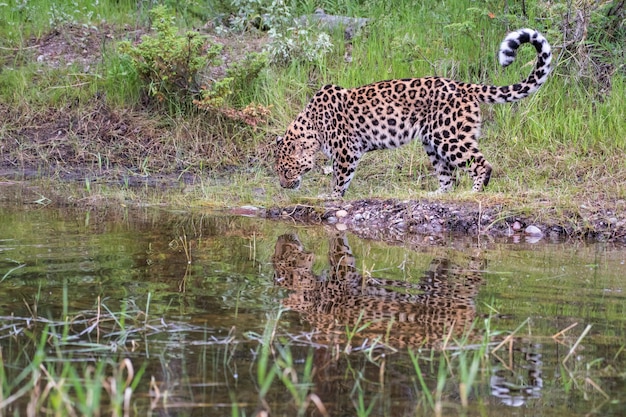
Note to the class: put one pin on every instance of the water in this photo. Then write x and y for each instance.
(195, 292)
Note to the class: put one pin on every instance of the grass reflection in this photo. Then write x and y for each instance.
(100, 362)
(332, 339)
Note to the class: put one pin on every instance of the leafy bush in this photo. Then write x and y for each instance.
(221, 96)
(172, 66)
(290, 38)
(169, 63)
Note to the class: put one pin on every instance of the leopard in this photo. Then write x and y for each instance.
(399, 314)
(346, 123)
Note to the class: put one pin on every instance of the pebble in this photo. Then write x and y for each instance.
(341, 213)
(341, 227)
(517, 226)
(533, 231)
(399, 225)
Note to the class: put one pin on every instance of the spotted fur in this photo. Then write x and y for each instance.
(419, 313)
(346, 123)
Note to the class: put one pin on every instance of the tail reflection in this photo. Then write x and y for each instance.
(401, 313)
(518, 379)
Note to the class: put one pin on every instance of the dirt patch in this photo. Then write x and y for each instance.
(77, 137)
(413, 221)
(79, 45)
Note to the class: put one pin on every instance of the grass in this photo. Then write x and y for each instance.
(70, 368)
(123, 358)
(60, 374)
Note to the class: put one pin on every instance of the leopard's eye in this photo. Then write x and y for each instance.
(290, 174)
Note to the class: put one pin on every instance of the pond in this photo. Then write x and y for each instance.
(120, 311)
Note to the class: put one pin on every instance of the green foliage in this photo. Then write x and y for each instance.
(171, 66)
(229, 90)
(291, 38)
(226, 96)
(120, 78)
(298, 43)
(169, 63)
(243, 73)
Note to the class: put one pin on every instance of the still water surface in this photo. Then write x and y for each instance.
(198, 291)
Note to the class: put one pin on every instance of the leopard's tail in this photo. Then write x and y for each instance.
(506, 55)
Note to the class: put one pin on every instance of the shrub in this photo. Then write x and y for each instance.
(169, 63)
(172, 65)
(290, 38)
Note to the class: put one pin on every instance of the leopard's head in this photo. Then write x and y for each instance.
(295, 153)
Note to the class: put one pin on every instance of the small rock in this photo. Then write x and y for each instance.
(400, 225)
(358, 217)
(341, 227)
(341, 213)
(331, 220)
(517, 226)
(533, 231)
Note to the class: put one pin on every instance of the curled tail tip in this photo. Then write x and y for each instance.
(512, 41)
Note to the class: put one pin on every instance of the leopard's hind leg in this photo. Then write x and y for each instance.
(480, 170)
(476, 165)
(465, 156)
(462, 145)
(445, 174)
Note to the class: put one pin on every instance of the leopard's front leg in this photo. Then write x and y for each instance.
(344, 167)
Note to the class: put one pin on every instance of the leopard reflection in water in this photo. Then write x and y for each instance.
(401, 313)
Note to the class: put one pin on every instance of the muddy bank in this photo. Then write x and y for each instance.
(410, 221)
(390, 220)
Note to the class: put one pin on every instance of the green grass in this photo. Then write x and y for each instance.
(67, 372)
(59, 374)
(119, 358)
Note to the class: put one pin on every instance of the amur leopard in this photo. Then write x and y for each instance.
(421, 312)
(346, 123)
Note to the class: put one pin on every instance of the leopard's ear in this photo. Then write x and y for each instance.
(279, 139)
